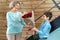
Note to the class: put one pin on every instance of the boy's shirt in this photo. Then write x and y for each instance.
(44, 29)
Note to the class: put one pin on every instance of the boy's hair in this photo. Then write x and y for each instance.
(48, 14)
(13, 3)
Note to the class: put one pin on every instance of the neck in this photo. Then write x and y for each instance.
(46, 20)
(14, 9)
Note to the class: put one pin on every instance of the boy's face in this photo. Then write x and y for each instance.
(44, 17)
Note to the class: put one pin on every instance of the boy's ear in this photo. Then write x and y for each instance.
(47, 17)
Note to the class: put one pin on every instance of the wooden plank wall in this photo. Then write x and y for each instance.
(27, 5)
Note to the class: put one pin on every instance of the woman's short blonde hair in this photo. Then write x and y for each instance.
(13, 3)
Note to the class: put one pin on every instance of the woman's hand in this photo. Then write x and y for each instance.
(27, 25)
(35, 29)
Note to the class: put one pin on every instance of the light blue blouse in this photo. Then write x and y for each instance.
(44, 29)
(15, 23)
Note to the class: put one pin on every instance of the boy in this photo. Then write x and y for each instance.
(45, 27)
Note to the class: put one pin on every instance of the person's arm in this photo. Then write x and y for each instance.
(38, 31)
(46, 28)
(8, 17)
(23, 22)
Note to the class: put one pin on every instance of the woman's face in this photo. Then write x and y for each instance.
(17, 6)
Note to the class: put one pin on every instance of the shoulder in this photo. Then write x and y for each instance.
(8, 12)
(19, 13)
(48, 23)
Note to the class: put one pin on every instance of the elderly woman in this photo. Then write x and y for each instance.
(15, 23)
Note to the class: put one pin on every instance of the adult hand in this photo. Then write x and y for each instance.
(34, 29)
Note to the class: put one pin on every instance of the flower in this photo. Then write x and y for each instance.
(27, 15)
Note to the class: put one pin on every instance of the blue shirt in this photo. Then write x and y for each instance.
(44, 29)
(15, 23)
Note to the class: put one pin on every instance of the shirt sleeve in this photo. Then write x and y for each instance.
(22, 20)
(7, 16)
(45, 29)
